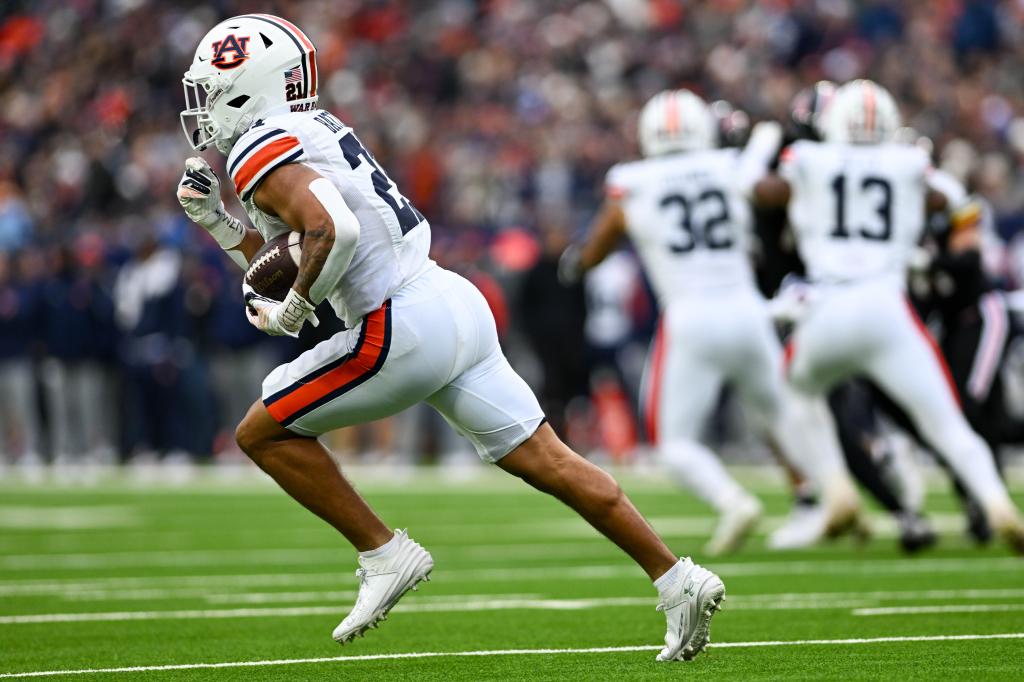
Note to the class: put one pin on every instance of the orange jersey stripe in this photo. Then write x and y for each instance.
(261, 158)
(364, 361)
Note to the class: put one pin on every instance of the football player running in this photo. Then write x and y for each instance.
(416, 332)
(857, 203)
(683, 207)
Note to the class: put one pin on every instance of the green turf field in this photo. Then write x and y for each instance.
(235, 573)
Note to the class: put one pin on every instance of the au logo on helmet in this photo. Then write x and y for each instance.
(235, 48)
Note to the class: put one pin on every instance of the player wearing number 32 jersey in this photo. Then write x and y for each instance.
(683, 209)
(857, 204)
(416, 332)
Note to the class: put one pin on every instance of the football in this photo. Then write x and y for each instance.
(275, 266)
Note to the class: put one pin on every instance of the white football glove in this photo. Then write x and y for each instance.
(278, 318)
(570, 270)
(199, 195)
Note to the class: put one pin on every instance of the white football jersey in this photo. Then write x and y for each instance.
(394, 238)
(690, 225)
(857, 211)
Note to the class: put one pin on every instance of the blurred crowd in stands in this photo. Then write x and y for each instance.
(121, 326)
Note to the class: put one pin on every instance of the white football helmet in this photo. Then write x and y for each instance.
(861, 112)
(246, 67)
(676, 121)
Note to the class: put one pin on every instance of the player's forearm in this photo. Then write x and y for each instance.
(594, 251)
(605, 234)
(250, 244)
(317, 242)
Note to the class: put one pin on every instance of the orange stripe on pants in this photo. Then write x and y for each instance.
(363, 362)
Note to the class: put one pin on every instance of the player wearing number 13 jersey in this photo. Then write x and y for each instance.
(682, 208)
(416, 332)
(857, 205)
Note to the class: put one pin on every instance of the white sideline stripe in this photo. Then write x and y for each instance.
(501, 652)
(727, 570)
(249, 597)
(264, 612)
(552, 545)
(473, 603)
(438, 606)
(939, 608)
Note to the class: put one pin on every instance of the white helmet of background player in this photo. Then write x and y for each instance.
(676, 121)
(247, 67)
(861, 112)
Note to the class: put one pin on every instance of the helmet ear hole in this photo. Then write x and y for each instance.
(238, 102)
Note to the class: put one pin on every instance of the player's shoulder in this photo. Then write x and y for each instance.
(267, 144)
(803, 150)
(624, 177)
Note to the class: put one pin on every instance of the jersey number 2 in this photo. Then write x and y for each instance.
(880, 232)
(355, 153)
(712, 233)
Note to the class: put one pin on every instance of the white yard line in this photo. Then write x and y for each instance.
(938, 608)
(499, 652)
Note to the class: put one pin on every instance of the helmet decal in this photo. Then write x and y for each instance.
(231, 52)
(306, 49)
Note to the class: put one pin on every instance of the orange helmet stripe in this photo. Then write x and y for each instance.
(869, 108)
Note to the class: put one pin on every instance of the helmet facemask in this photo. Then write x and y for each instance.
(209, 118)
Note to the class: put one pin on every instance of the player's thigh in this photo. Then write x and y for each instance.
(394, 359)
(757, 374)
(688, 388)
(829, 345)
(490, 405)
(913, 373)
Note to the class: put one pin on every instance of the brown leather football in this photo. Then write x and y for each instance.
(275, 266)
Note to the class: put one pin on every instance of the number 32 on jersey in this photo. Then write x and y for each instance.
(703, 221)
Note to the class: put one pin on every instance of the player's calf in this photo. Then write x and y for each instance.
(305, 470)
(690, 595)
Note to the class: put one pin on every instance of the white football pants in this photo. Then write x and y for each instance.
(871, 329)
(710, 340)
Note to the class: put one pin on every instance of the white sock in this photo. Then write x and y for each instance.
(668, 578)
(382, 550)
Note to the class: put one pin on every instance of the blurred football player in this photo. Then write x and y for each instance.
(872, 456)
(857, 203)
(684, 211)
(416, 332)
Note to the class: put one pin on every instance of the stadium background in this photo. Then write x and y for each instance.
(122, 338)
(121, 330)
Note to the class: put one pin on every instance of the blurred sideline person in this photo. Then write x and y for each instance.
(80, 336)
(857, 203)
(415, 332)
(684, 211)
(19, 329)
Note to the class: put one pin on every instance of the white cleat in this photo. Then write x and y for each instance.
(806, 526)
(734, 526)
(1007, 523)
(382, 582)
(689, 606)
